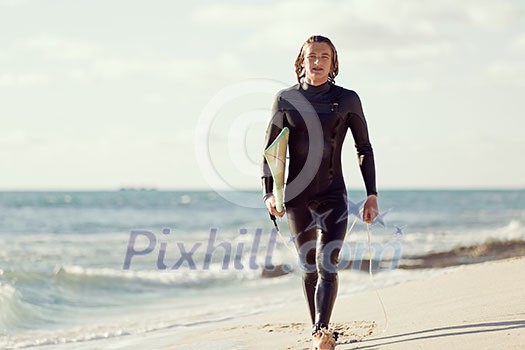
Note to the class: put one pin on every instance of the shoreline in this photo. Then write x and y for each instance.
(479, 306)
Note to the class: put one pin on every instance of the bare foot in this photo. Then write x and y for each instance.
(323, 340)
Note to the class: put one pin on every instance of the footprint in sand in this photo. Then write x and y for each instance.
(349, 332)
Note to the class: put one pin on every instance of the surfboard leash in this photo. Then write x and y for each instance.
(369, 234)
(274, 219)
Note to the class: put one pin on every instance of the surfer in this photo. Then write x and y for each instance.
(318, 213)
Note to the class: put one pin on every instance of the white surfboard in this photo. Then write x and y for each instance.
(275, 156)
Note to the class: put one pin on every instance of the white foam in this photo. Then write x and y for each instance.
(14, 312)
(183, 277)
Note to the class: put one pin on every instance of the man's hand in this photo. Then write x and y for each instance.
(270, 204)
(370, 210)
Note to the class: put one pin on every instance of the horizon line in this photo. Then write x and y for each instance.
(204, 189)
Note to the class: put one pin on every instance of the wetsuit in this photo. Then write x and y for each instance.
(315, 195)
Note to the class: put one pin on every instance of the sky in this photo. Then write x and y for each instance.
(172, 95)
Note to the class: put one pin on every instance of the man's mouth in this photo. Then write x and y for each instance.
(317, 69)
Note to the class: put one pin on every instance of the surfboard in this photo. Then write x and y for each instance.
(275, 156)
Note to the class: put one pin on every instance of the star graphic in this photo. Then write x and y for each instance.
(399, 229)
(379, 218)
(353, 209)
(318, 220)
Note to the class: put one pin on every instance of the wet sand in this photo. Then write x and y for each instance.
(478, 306)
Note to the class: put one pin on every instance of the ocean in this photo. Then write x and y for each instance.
(92, 270)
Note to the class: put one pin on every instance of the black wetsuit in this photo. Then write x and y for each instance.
(315, 195)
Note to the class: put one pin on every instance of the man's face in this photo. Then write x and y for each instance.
(317, 62)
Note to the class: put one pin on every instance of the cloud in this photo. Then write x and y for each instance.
(219, 67)
(383, 32)
(58, 48)
(154, 98)
(492, 14)
(18, 140)
(12, 3)
(518, 43)
(407, 85)
(386, 32)
(509, 73)
(8, 80)
(84, 61)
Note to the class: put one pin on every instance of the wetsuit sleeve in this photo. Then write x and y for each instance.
(357, 123)
(275, 126)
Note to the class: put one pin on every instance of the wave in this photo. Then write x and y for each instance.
(116, 313)
(94, 332)
(108, 278)
(98, 314)
(15, 312)
(467, 254)
(35, 300)
(421, 242)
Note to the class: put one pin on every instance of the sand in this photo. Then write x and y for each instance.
(471, 307)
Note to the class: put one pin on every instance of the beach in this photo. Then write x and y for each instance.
(112, 270)
(136, 168)
(479, 307)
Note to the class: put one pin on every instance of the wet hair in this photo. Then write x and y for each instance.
(334, 67)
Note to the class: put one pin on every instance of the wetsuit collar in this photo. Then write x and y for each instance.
(325, 87)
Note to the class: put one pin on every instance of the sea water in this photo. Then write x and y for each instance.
(81, 268)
